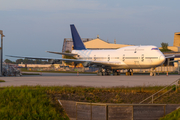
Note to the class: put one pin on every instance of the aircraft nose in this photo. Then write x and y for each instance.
(162, 58)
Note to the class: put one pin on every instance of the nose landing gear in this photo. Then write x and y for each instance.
(152, 72)
(129, 72)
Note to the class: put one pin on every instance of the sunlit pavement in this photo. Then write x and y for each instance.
(71, 79)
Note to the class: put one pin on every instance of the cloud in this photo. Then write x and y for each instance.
(82, 8)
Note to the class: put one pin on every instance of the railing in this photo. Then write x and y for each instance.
(153, 96)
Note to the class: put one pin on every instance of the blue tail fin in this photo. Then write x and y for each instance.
(77, 42)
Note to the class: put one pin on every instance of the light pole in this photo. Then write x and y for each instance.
(2, 35)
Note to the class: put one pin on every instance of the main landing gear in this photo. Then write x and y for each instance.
(103, 72)
(129, 72)
(116, 72)
(152, 72)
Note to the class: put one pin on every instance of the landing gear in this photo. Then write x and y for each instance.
(103, 72)
(129, 72)
(152, 72)
(116, 72)
(108, 72)
(100, 72)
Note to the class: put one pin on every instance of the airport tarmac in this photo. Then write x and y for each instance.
(71, 79)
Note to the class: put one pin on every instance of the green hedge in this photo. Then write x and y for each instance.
(25, 103)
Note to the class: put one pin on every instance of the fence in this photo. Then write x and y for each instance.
(99, 111)
(158, 69)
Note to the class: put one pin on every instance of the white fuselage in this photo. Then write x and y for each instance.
(132, 57)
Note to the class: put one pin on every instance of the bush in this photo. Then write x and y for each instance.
(26, 103)
(2, 81)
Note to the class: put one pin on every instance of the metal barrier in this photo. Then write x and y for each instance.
(102, 111)
(95, 111)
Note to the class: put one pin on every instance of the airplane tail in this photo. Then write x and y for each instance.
(77, 42)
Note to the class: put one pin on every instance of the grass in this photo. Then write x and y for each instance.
(2, 81)
(104, 95)
(27, 103)
(175, 115)
(30, 74)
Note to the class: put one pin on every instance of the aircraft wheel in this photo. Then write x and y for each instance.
(154, 74)
(127, 73)
(131, 73)
(99, 73)
(115, 73)
(108, 73)
(103, 73)
(151, 74)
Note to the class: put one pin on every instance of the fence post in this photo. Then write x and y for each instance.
(132, 112)
(152, 99)
(91, 111)
(164, 110)
(76, 111)
(176, 86)
(106, 112)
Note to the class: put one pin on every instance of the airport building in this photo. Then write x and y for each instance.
(92, 44)
(98, 43)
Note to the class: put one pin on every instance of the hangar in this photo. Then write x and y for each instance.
(175, 49)
(93, 44)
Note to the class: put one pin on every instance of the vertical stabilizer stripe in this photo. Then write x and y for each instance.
(77, 42)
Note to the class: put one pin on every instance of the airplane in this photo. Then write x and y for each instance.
(111, 61)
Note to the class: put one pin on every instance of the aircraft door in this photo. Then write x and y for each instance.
(94, 57)
(142, 58)
(108, 58)
(141, 61)
(123, 58)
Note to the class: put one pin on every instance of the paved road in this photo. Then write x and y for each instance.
(60, 79)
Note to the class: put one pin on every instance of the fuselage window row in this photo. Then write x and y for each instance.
(131, 57)
(98, 58)
(151, 57)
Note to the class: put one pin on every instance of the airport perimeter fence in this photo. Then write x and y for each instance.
(65, 68)
(101, 111)
(161, 69)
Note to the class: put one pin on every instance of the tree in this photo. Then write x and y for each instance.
(164, 46)
(8, 61)
(18, 61)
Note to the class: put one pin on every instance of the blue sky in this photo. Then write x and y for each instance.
(32, 27)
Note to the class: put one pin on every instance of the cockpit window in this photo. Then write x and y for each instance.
(154, 49)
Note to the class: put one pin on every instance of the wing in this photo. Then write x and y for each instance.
(54, 60)
(84, 62)
(68, 54)
(172, 55)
